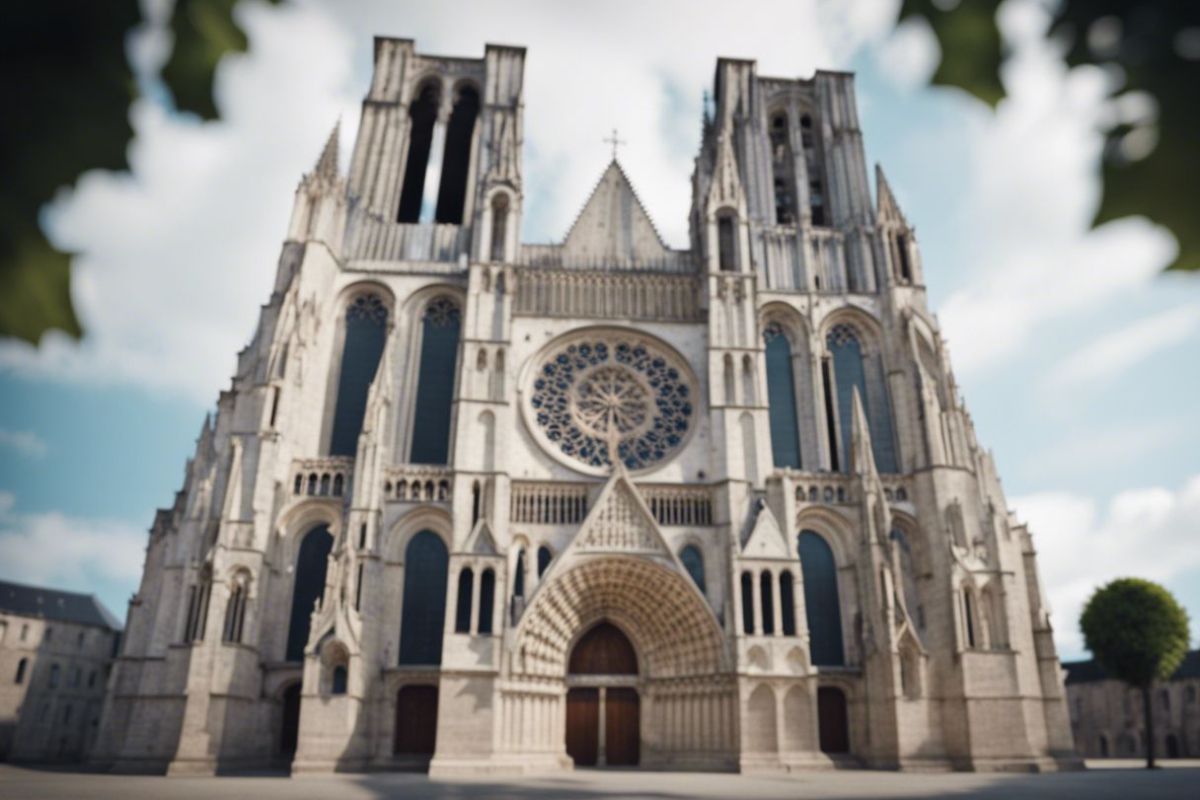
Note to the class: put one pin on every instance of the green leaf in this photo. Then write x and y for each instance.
(66, 86)
(205, 32)
(970, 42)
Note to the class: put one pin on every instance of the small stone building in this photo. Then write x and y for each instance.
(477, 505)
(56, 649)
(1108, 717)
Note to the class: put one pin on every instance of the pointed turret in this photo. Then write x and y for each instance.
(327, 164)
(886, 207)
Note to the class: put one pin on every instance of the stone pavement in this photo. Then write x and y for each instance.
(1110, 780)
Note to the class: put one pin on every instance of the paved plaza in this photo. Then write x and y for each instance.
(1107, 780)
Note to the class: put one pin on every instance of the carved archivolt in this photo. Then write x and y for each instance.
(673, 631)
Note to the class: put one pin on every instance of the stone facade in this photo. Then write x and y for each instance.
(1108, 717)
(56, 649)
(448, 458)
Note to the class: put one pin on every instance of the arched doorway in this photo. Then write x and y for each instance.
(832, 724)
(603, 710)
(416, 721)
(289, 731)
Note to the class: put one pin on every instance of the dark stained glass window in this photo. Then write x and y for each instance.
(487, 597)
(462, 608)
(308, 587)
(781, 398)
(435, 382)
(821, 600)
(693, 562)
(366, 333)
(424, 613)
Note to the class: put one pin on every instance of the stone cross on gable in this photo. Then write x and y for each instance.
(615, 141)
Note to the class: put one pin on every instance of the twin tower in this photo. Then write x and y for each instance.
(475, 505)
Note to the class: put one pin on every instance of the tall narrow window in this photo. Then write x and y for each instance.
(308, 588)
(519, 574)
(55, 671)
(853, 371)
(969, 617)
(747, 603)
(902, 257)
(235, 609)
(365, 335)
(822, 606)
(544, 557)
(787, 604)
(830, 416)
(22, 665)
(435, 382)
(337, 683)
(726, 243)
(693, 562)
(462, 608)
(424, 612)
(765, 586)
(782, 168)
(422, 117)
(908, 579)
(197, 618)
(499, 225)
(781, 397)
(487, 598)
(456, 162)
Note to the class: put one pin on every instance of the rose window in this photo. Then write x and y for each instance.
(595, 397)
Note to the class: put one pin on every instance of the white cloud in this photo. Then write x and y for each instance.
(1145, 533)
(53, 549)
(26, 443)
(1034, 189)
(1116, 352)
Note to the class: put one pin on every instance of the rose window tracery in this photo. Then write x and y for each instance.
(598, 395)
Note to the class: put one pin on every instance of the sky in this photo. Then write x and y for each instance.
(1075, 355)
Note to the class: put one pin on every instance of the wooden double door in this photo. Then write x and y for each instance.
(618, 709)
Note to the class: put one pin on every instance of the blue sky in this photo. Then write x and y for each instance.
(1075, 356)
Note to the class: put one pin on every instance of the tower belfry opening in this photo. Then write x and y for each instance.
(422, 120)
(456, 158)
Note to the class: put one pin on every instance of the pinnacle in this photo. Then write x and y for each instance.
(327, 164)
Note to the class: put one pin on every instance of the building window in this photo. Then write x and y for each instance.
(969, 617)
(22, 665)
(365, 336)
(693, 562)
(235, 611)
(424, 612)
(456, 157)
(308, 587)
(487, 597)
(767, 596)
(821, 599)
(544, 557)
(519, 573)
(462, 609)
(852, 370)
(747, 603)
(499, 225)
(422, 114)
(435, 382)
(337, 684)
(55, 672)
(787, 604)
(727, 243)
(781, 398)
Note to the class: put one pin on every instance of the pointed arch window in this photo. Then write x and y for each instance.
(781, 397)
(422, 115)
(787, 604)
(440, 328)
(462, 609)
(852, 370)
(499, 225)
(727, 242)
(822, 604)
(487, 599)
(519, 574)
(783, 170)
(456, 161)
(235, 609)
(424, 611)
(362, 346)
(693, 562)
(308, 587)
(22, 666)
(747, 603)
(767, 595)
(544, 557)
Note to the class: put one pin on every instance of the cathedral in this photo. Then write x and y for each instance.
(473, 505)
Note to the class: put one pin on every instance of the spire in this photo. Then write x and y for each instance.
(862, 460)
(327, 164)
(886, 207)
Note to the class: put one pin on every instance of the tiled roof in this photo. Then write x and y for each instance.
(35, 601)
(1089, 671)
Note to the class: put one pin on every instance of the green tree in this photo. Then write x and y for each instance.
(1138, 633)
(66, 86)
(1149, 48)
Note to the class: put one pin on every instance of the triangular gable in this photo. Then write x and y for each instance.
(481, 541)
(620, 522)
(766, 539)
(613, 225)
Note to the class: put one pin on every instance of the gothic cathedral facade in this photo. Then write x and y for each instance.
(477, 505)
